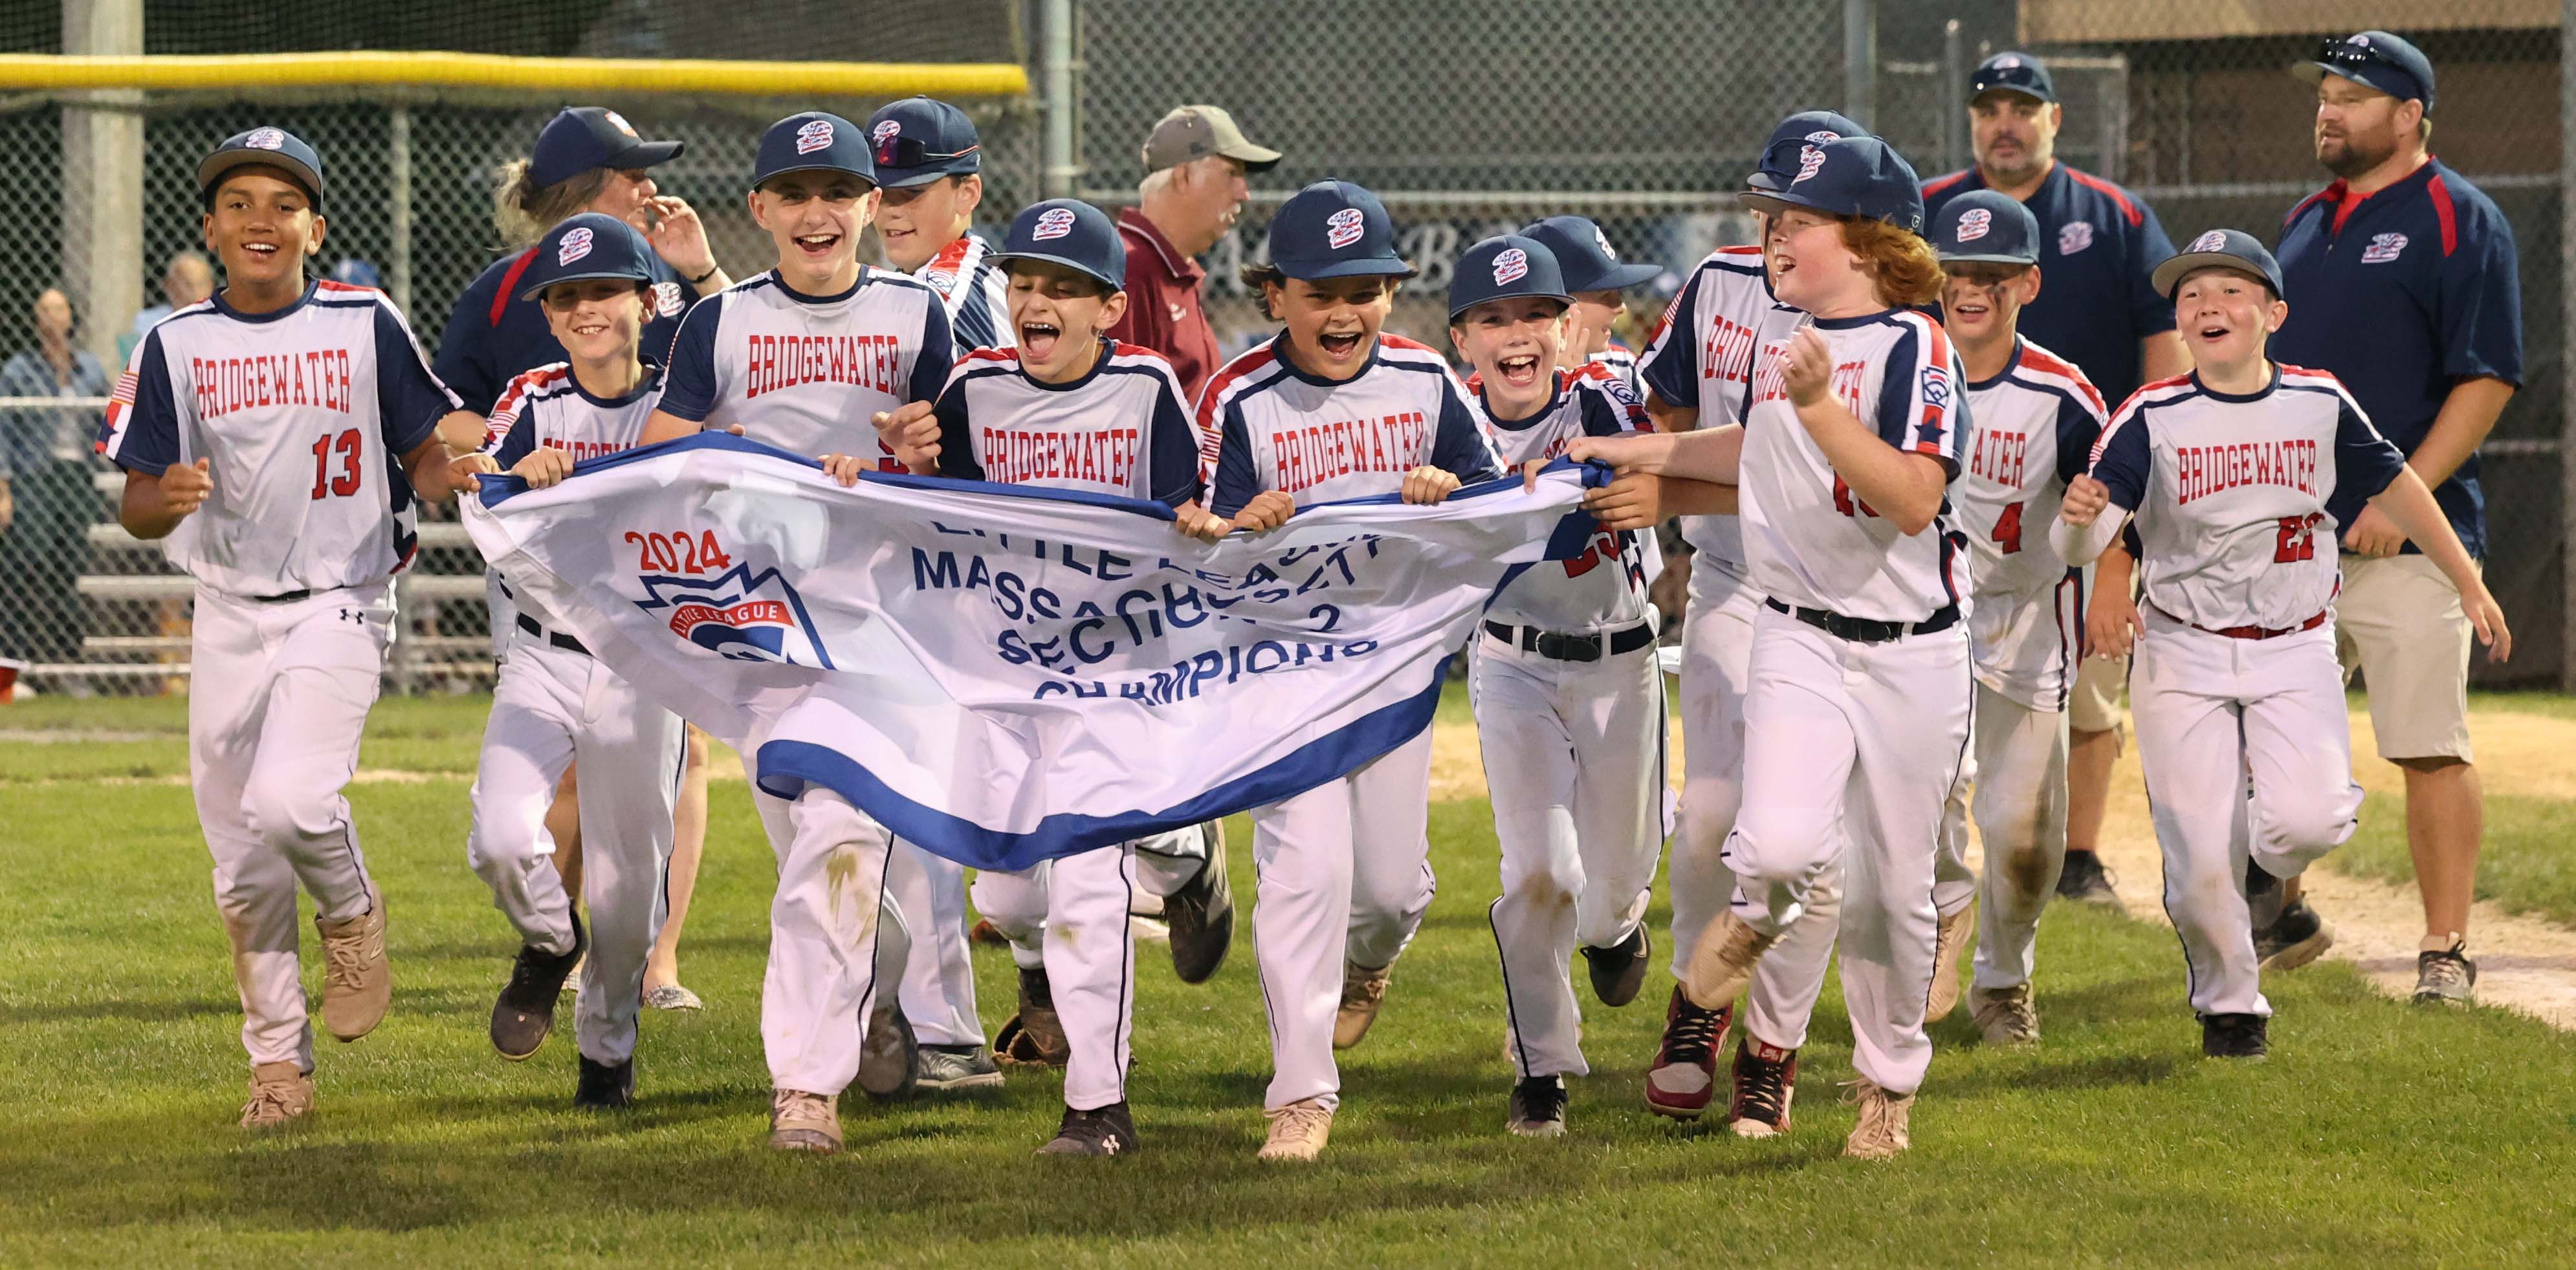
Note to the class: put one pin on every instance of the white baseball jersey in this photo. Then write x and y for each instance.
(2238, 498)
(805, 374)
(1809, 541)
(548, 407)
(1620, 363)
(1277, 428)
(1700, 357)
(2036, 422)
(1120, 430)
(1605, 587)
(975, 291)
(304, 415)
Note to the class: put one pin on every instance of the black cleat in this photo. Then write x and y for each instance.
(2262, 896)
(525, 1013)
(1538, 1107)
(2085, 880)
(1105, 1131)
(1201, 914)
(2234, 1036)
(2298, 936)
(605, 1086)
(1618, 972)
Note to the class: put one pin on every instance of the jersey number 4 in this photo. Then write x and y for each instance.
(325, 483)
(2298, 540)
(2008, 530)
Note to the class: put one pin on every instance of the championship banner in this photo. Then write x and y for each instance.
(1003, 674)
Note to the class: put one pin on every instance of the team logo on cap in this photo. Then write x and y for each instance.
(618, 121)
(575, 245)
(2362, 40)
(2007, 63)
(1511, 266)
(2383, 248)
(1823, 135)
(740, 615)
(1809, 160)
(816, 134)
(1602, 241)
(1054, 222)
(884, 134)
(1973, 224)
(2074, 236)
(666, 299)
(2214, 240)
(1344, 227)
(266, 139)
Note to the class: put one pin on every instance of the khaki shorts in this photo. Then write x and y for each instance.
(2093, 705)
(2400, 623)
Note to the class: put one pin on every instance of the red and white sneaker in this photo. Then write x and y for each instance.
(1684, 1075)
(1766, 1078)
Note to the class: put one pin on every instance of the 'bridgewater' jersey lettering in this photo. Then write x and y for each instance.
(1277, 428)
(1604, 589)
(806, 373)
(1700, 358)
(2238, 497)
(2036, 422)
(1121, 429)
(548, 407)
(303, 416)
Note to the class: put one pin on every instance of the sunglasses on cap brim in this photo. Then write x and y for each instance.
(909, 152)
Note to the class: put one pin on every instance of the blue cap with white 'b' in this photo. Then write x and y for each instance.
(590, 245)
(1988, 227)
(1584, 255)
(1505, 267)
(266, 147)
(1856, 176)
(1334, 229)
(1779, 159)
(1071, 233)
(2218, 249)
(813, 142)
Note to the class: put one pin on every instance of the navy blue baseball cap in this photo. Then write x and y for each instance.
(813, 142)
(580, 138)
(920, 139)
(2223, 249)
(1856, 176)
(1584, 256)
(1071, 233)
(272, 147)
(1988, 227)
(1505, 267)
(1334, 229)
(2375, 59)
(2013, 72)
(1779, 159)
(590, 245)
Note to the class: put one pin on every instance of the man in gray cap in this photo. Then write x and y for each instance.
(1196, 160)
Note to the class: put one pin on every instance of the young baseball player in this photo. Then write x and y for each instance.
(929, 168)
(1599, 282)
(276, 435)
(1858, 713)
(1696, 368)
(1569, 698)
(554, 706)
(2237, 477)
(2037, 417)
(802, 356)
(1070, 409)
(1344, 870)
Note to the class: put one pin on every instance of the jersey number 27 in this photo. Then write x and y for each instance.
(2298, 539)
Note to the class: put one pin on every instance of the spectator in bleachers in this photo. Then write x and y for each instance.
(184, 281)
(46, 499)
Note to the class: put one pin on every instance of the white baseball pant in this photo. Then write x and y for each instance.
(1852, 749)
(1017, 902)
(2214, 714)
(834, 937)
(1717, 654)
(554, 707)
(938, 988)
(1574, 760)
(2018, 771)
(1344, 858)
(1079, 934)
(277, 704)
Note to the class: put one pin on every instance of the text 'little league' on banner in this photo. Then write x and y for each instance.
(1002, 674)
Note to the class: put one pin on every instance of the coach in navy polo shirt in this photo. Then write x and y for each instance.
(2401, 278)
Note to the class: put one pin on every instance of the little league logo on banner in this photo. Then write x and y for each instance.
(1004, 674)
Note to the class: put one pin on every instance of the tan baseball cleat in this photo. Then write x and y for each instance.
(280, 1094)
(1722, 962)
(1949, 943)
(1298, 1131)
(1363, 991)
(357, 979)
(799, 1121)
(2005, 1016)
(1882, 1131)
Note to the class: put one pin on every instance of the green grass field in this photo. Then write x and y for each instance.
(2377, 1135)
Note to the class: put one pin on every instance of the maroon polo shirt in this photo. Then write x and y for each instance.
(1163, 311)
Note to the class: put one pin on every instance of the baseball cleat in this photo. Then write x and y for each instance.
(1537, 1108)
(1201, 914)
(985, 932)
(799, 1121)
(1298, 1131)
(1034, 1037)
(604, 1086)
(946, 1067)
(2446, 976)
(889, 1057)
(280, 1094)
(1363, 992)
(2004, 1016)
(2234, 1036)
(1950, 941)
(357, 980)
(1104, 1131)
(525, 1012)
(1683, 1076)
(1766, 1082)
(2262, 895)
(2085, 880)
(2294, 939)
(671, 996)
(1883, 1131)
(1618, 972)
(1722, 962)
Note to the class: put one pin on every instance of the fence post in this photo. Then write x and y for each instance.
(1063, 175)
(1954, 90)
(1860, 62)
(398, 186)
(2566, 351)
(102, 184)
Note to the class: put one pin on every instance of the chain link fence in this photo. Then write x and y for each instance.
(1469, 119)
